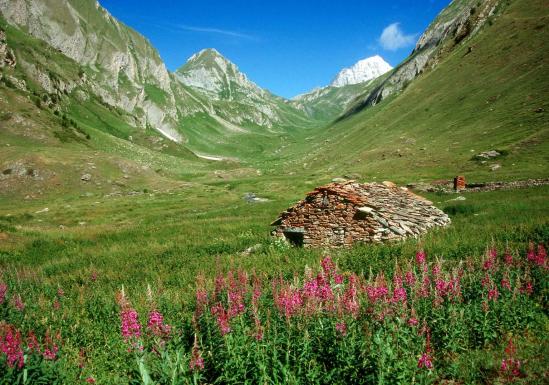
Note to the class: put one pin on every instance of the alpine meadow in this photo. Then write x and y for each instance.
(180, 224)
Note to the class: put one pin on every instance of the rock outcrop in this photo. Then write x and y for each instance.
(460, 20)
(340, 214)
(122, 63)
(7, 57)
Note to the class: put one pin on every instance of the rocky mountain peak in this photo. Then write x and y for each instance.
(362, 71)
(212, 73)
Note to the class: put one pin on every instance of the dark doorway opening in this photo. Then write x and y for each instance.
(295, 236)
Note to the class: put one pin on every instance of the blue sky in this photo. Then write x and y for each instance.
(288, 47)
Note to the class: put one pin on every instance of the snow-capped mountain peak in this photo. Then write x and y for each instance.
(362, 71)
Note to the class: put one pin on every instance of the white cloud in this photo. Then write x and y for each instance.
(392, 38)
(216, 31)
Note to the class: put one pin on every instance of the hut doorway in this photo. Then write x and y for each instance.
(295, 235)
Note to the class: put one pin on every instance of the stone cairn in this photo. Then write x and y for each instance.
(340, 214)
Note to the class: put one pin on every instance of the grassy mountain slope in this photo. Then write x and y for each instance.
(328, 103)
(486, 92)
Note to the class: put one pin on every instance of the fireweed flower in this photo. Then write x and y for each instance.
(11, 346)
(197, 362)
(3, 290)
(32, 343)
(219, 285)
(18, 302)
(490, 261)
(328, 266)
(399, 294)
(413, 321)
(410, 278)
(425, 361)
(508, 258)
(493, 294)
(437, 269)
(421, 257)
(256, 293)
(341, 327)
(129, 324)
(350, 297)
(222, 318)
(510, 365)
(258, 335)
(156, 324)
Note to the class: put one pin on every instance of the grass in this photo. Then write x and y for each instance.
(166, 240)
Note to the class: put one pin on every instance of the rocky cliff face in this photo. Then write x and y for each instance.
(120, 62)
(7, 58)
(460, 20)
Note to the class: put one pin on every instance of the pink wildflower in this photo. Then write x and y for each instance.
(508, 258)
(442, 287)
(222, 318)
(410, 278)
(490, 260)
(129, 324)
(258, 329)
(197, 362)
(421, 257)
(413, 321)
(32, 343)
(341, 327)
(11, 346)
(510, 365)
(493, 294)
(338, 279)
(90, 380)
(236, 303)
(18, 302)
(425, 361)
(437, 269)
(50, 353)
(399, 294)
(256, 293)
(156, 324)
(527, 288)
(328, 266)
(201, 300)
(425, 288)
(350, 299)
(3, 290)
(505, 283)
(60, 292)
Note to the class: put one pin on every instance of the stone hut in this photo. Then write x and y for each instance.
(340, 214)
